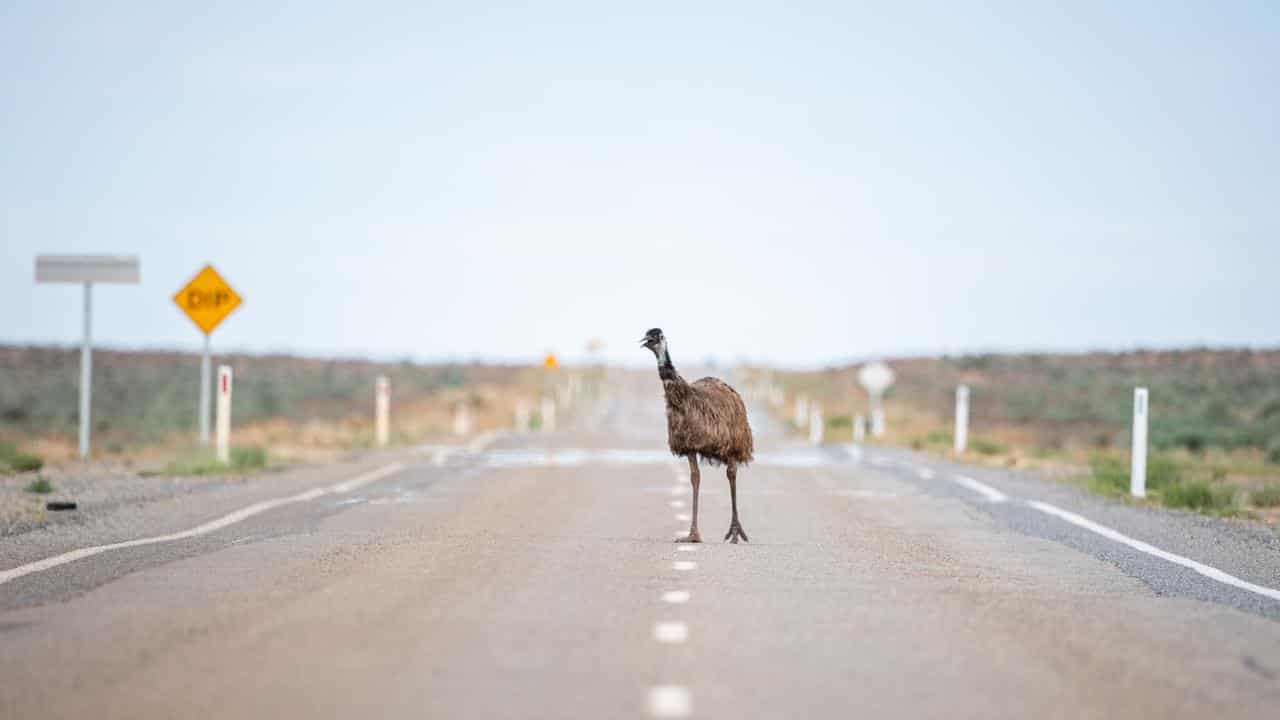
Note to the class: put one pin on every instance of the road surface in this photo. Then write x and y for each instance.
(534, 576)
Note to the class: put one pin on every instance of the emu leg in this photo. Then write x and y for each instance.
(735, 529)
(694, 480)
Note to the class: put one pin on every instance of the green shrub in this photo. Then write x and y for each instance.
(203, 462)
(26, 462)
(1109, 475)
(986, 447)
(1273, 450)
(248, 458)
(1266, 496)
(839, 422)
(1162, 472)
(938, 437)
(1198, 495)
(13, 460)
(39, 486)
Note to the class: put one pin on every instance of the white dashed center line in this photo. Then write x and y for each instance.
(926, 474)
(677, 504)
(684, 565)
(670, 701)
(686, 548)
(682, 517)
(670, 633)
(676, 597)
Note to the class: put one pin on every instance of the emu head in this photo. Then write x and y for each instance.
(655, 342)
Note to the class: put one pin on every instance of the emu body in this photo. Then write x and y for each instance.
(706, 419)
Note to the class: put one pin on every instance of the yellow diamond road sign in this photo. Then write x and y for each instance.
(207, 299)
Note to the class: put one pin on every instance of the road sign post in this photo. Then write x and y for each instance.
(548, 415)
(876, 377)
(207, 300)
(802, 411)
(85, 270)
(962, 418)
(224, 414)
(1138, 461)
(859, 429)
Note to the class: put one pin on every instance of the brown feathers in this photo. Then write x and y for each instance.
(708, 418)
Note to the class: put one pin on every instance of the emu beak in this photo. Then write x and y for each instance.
(644, 342)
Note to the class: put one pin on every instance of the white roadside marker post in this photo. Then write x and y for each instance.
(859, 429)
(802, 412)
(816, 424)
(522, 415)
(462, 419)
(85, 270)
(223, 423)
(1138, 464)
(382, 410)
(962, 418)
(548, 415)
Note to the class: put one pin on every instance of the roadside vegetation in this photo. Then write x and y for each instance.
(40, 486)
(1214, 423)
(14, 461)
(243, 460)
(145, 403)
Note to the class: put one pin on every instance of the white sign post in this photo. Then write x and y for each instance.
(816, 424)
(876, 377)
(222, 424)
(859, 429)
(1138, 464)
(548, 415)
(962, 418)
(86, 270)
(382, 410)
(802, 411)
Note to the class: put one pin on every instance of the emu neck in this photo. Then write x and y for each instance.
(666, 370)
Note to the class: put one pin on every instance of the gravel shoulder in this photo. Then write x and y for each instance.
(117, 505)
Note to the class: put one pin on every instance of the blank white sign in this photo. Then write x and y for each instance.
(124, 269)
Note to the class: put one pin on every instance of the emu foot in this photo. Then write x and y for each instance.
(735, 532)
(692, 537)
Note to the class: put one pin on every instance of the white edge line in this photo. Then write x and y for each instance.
(230, 518)
(1210, 572)
(982, 489)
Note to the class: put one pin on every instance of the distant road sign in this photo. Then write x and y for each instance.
(87, 269)
(550, 361)
(207, 299)
(876, 377)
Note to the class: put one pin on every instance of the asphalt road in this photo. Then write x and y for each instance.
(535, 576)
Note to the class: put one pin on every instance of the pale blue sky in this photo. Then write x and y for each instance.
(798, 185)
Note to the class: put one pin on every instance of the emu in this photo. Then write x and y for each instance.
(705, 418)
